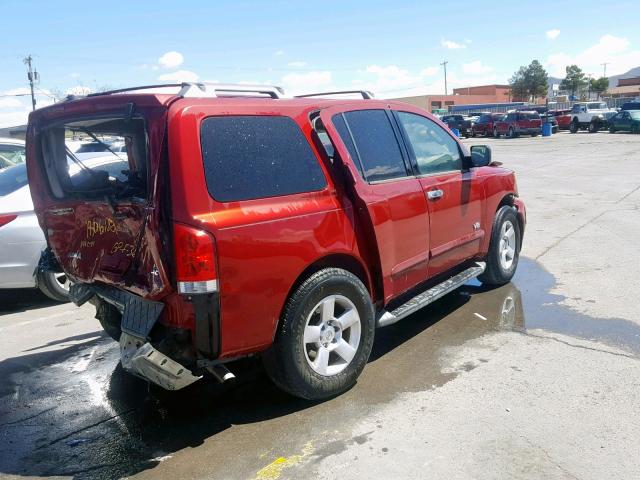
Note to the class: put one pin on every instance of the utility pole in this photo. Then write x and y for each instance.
(444, 64)
(604, 65)
(33, 77)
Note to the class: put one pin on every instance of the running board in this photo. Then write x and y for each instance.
(429, 296)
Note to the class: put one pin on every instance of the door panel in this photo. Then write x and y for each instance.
(454, 198)
(455, 219)
(394, 207)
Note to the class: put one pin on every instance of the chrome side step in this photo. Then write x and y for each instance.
(429, 296)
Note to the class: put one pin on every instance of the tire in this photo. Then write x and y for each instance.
(495, 133)
(612, 129)
(54, 285)
(594, 127)
(534, 134)
(635, 129)
(500, 270)
(511, 133)
(294, 364)
(110, 319)
(574, 126)
(473, 133)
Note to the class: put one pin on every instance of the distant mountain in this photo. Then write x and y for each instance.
(613, 79)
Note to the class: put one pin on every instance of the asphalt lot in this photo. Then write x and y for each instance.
(536, 379)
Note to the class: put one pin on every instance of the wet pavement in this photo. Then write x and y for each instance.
(74, 412)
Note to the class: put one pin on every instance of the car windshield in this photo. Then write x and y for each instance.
(597, 106)
(11, 155)
(13, 178)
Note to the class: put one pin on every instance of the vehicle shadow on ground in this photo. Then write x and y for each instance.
(23, 299)
(102, 422)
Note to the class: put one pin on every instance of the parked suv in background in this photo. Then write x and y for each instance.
(591, 116)
(514, 124)
(458, 122)
(484, 124)
(625, 120)
(243, 223)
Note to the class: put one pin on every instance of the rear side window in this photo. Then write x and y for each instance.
(249, 157)
(13, 178)
(376, 144)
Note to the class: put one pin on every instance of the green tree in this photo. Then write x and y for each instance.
(599, 85)
(518, 85)
(574, 81)
(529, 82)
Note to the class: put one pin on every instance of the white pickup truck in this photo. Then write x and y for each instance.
(591, 116)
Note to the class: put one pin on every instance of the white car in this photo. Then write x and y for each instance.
(12, 152)
(21, 239)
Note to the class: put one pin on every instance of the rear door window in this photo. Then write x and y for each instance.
(434, 150)
(376, 144)
(248, 157)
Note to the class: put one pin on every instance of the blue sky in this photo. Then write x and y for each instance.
(394, 49)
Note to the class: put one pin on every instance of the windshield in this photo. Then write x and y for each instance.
(597, 106)
(111, 161)
(11, 155)
(13, 178)
(635, 114)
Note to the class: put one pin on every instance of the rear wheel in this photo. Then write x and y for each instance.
(612, 129)
(54, 285)
(511, 133)
(495, 133)
(594, 127)
(325, 336)
(504, 248)
(635, 129)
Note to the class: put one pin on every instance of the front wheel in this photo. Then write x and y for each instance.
(504, 248)
(574, 126)
(54, 285)
(612, 129)
(496, 134)
(635, 129)
(324, 338)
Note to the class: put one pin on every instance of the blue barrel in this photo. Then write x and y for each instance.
(546, 129)
(456, 132)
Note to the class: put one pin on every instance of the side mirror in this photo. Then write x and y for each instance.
(480, 155)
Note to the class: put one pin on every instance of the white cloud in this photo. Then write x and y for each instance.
(615, 51)
(171, 59)
(179, 76)
(451, 45)
(553, 33)
(429, 71)
(279, 53)
(10, 102)
(297, 83)
(297, 64)
(476, 67)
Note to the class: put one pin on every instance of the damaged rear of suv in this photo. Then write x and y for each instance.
(232, 221)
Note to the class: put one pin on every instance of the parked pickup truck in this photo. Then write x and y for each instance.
(514, 124)
(460, 123)
(591, 116)
(239, 222)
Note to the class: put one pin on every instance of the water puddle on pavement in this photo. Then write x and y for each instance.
(74, 412)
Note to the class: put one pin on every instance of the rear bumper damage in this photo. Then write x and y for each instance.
(137, 355)
(143, 360)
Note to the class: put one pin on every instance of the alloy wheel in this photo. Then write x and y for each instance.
(507, 248)
(332, 335)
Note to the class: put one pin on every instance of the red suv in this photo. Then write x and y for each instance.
(515, 124)
(237, 222)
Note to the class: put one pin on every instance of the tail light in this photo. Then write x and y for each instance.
(6, 218)
(195, 260)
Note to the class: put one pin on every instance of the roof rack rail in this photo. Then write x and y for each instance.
(367, 95)
(212, 89)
